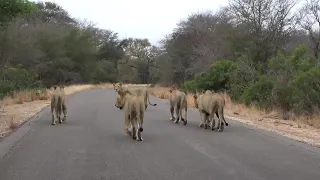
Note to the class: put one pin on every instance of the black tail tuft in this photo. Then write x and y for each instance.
(154, 104)
(141, 129)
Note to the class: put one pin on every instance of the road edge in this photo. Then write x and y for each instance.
(266, 132)
(13, 137)
(10, 139)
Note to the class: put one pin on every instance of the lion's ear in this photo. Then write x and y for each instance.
(195, 96)
(120, 84)
(170, 90)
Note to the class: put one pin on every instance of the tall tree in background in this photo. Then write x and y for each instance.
(268, 25)
(309, 19)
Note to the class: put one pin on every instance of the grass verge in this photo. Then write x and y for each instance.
(304, 129)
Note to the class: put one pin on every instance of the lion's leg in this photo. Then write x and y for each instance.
(58, 115)
(222, 114)
(64, 109)
(205, 121)
(213, 122)
(177, 109)
(134, 132)
(141, 121)
(172, 111)
(185, 121)
(138, 125)
(204, 117)
(201, 121)
(178, 114)
(220, 123)
(127, 123)
(209, 122)
(53, 115)
(58, 112)
(145, 103)
(134, 121)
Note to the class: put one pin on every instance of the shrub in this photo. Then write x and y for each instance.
(306, 97)
(259, 93)
(241, 77)
(217, 78)
(17, 79)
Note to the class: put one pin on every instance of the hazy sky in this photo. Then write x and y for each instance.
(150, 19)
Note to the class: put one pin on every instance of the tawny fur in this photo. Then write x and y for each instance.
(208, 105)
(178, 103)
(221, 102)
(135, 91)
(134, 112)
(58, 105)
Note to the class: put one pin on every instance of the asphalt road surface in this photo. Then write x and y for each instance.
(92, 145)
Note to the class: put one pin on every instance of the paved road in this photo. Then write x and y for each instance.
(92, 145)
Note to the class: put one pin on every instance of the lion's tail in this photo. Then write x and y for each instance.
(149, 100)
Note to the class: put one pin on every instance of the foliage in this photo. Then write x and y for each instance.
(217, 77)
(259, 93)
(291, 84)
(270, 60)
(10, 9)
(17, 79)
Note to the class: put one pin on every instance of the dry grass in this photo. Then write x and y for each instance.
(306, 129)
(16, 109)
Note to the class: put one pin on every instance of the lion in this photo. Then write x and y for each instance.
(58, 104)
(136, 91)
(134, 112)
(209, 104)
(178, 103)
(222, 101)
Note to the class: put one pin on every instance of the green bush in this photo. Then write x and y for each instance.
(297, 76)
(306, 97)
(104, 71)
(190, 86)
(282, 96)
(5, 88)
(242, 77)
(291, 82)
(217, 78)
(17, 79)
(259, 93)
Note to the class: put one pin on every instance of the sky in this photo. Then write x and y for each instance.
(150, 19)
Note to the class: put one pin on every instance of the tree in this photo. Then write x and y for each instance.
(140, 55)
(269, 24)
(309, 19)
(197, 42)
(11, 9)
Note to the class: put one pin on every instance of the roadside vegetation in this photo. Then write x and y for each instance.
(262, 55)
